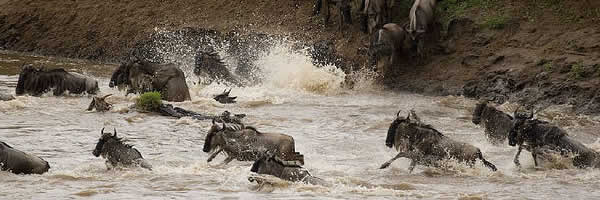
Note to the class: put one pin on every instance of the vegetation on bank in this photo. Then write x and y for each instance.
(149, 101)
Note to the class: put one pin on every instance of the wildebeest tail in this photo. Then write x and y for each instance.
(485, 162)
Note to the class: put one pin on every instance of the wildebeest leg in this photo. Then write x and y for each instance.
(534, 155)
(212, 156)
(412, 165)
(92, 104)
(317, 7)
(227, 160)
(387, 164)
(486, 163)
(326, 13)
(516, 160)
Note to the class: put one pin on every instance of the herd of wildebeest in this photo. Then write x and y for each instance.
(275, 153)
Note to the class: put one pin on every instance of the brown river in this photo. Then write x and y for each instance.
(340, 131)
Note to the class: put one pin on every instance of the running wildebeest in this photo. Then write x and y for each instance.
(539, 137)
(421, 20)
(19, 162)
(100, 104)
(376, 13)
(497, 123)
(286, 170)
(245, 143)
(6, 97)
(36, 82)
(426, 146)
(143, 76)
(224, 97)
(118, 153)
(389, 41)
(209, 67)
(342, 5)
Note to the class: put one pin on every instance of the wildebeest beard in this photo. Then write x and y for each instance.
(38, 81)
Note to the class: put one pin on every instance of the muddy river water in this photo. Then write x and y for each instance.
(340, 131)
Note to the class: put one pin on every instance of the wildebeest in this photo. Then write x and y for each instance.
(286, 170)
(497, 123)
(118, 153)
(6, 97)
(376, 13)
(538, 137)
(342, 5)
(37, 81)
(19, 162)
(389, 41)
(425, 145)
(421, 19)
(143, 76)
(224, 97)
(209, 67)
(245, 143)
(100, 104)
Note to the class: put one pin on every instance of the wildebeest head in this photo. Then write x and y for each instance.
(479, 111)
(213, 138)
(27, 71)
(519, 127)
(104, 138)
(121, 75)
(391, 135)
(224, 97)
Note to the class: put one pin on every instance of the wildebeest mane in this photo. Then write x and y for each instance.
(253, 128)
(7, 145)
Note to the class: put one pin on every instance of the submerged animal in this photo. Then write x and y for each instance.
(224, 97)
(37, 81)
(245, 143)
(100, 104)
(540, 137)
(19, 162)
(342, 5)
(142, 76)
(117, 153)
(426, 146)
(497, 123)
(286, 170)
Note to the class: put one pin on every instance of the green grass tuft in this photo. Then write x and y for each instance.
(577, 71)
(495, 22)
(149, 101)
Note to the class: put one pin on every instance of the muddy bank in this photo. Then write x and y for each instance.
(536, 53)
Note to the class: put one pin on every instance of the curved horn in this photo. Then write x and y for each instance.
(115, 135)
(108, 95)
(213, 121)
(102, 131)
(398, 113)
(223, 126)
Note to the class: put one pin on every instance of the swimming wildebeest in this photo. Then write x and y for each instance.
(376, 13)
(540, 137)
(118, 153)
(19, 162)
(37, 81)
(286, 170)
(421, 20)
(143, 76)
(209, 67)
(497, 123)
(389, 41)
(426, 146)
(6, 97)
(100, 104)
(224, 97)
(245, 143)
(342, 5)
